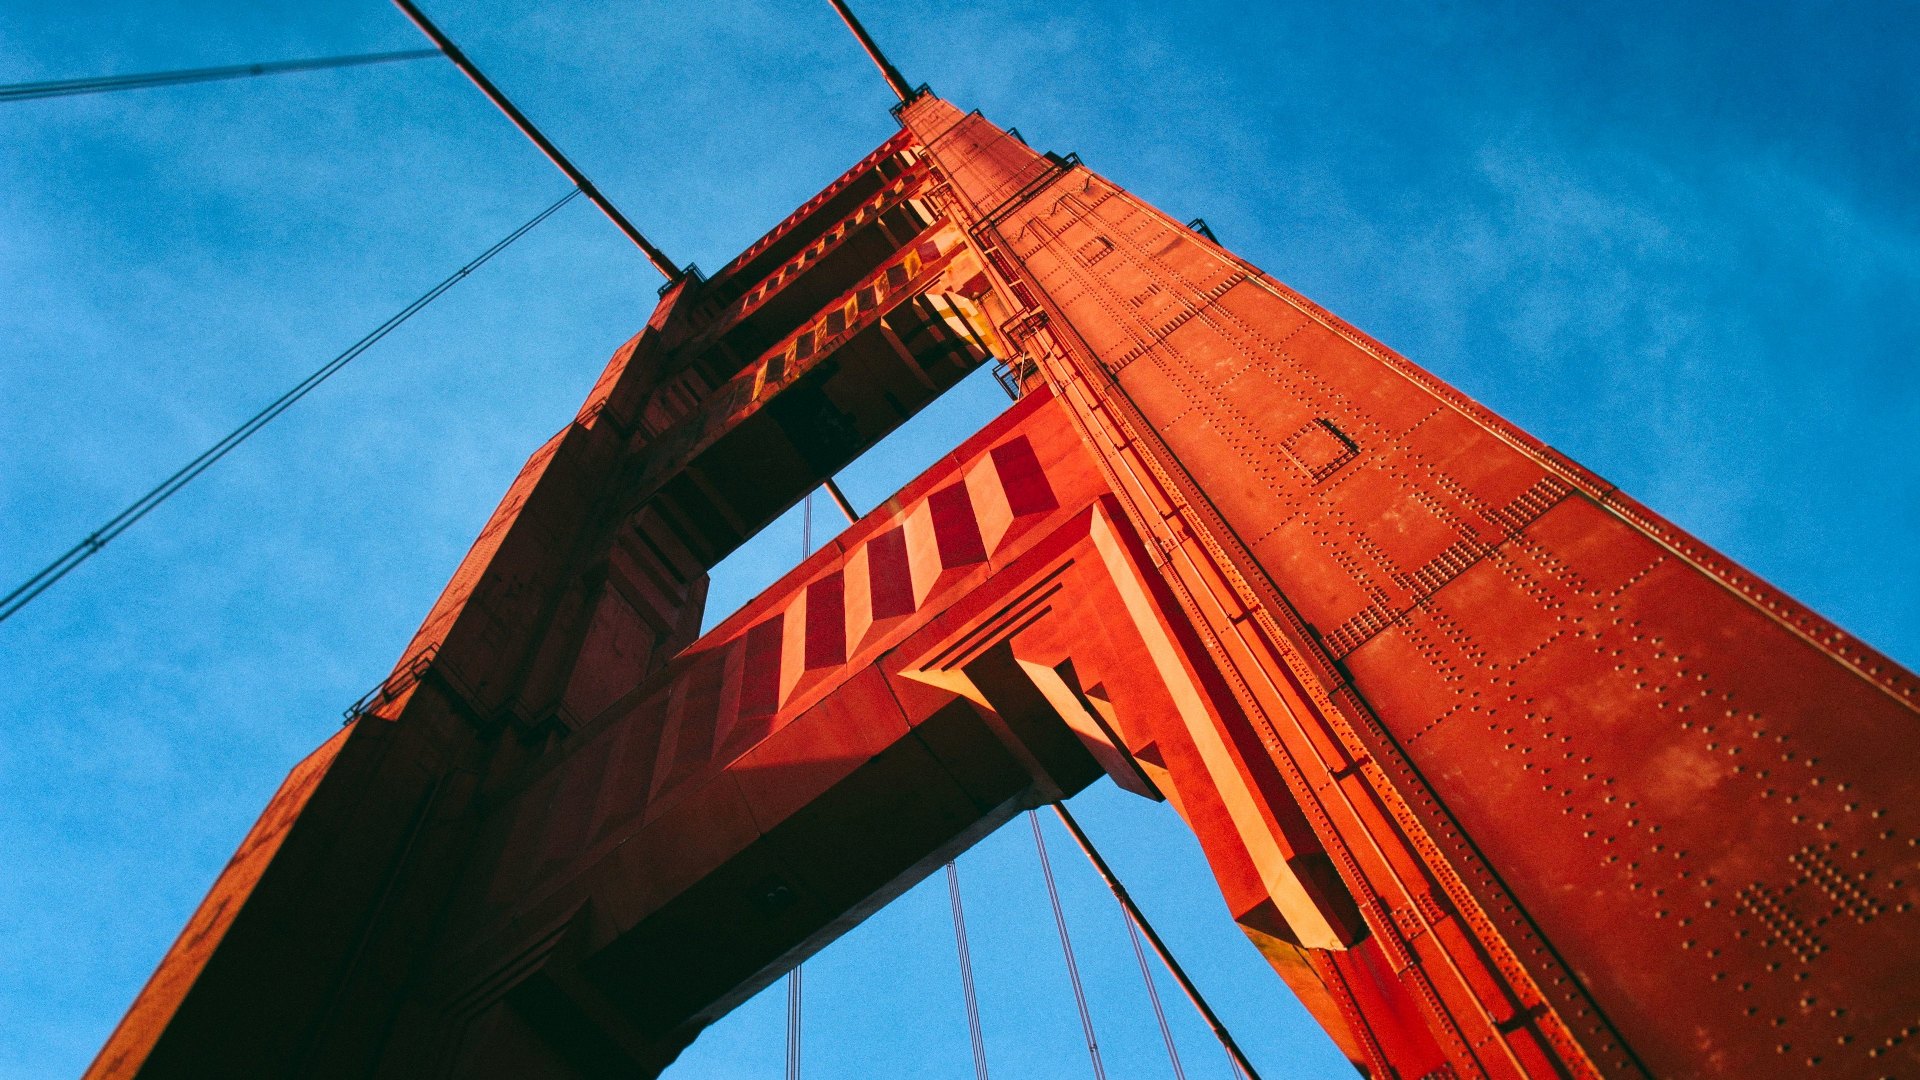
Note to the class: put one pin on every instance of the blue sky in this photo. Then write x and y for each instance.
(1678, 241)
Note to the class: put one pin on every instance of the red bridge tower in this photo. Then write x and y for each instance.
(1504, 774)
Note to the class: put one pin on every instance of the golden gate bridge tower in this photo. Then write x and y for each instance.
(1504, 775)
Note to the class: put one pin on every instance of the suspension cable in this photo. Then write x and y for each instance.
(1153, 995)
(1235, 1055)
(840, 500)
(794, 976)
(25, 593)
(534, 135)
(793, 1023)
(1066, 948)
(31, 91)
(966, 975)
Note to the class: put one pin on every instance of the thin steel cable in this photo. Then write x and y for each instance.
(1066, 948)
(1153, 995)
(966, 975)
(478, 78)
(794, 976)
(793, 1024)
(895, 81)
(32, 91)
(1242, 1068)
(24, 594)
(840, 500)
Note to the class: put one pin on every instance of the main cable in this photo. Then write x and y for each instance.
(478, 78)
(840, 500)
(25, 593)
(104, 84)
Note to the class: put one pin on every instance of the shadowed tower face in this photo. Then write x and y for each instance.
(1504, 774)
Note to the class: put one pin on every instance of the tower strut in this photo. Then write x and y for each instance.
(654, 255)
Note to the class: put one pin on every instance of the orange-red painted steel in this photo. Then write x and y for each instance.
(1503, 774)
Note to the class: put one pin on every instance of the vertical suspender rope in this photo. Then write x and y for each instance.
(966, 975)
(793, 1024)
(1235, 1055)
(1066, 948)
(794, 976)
(1153, 995)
